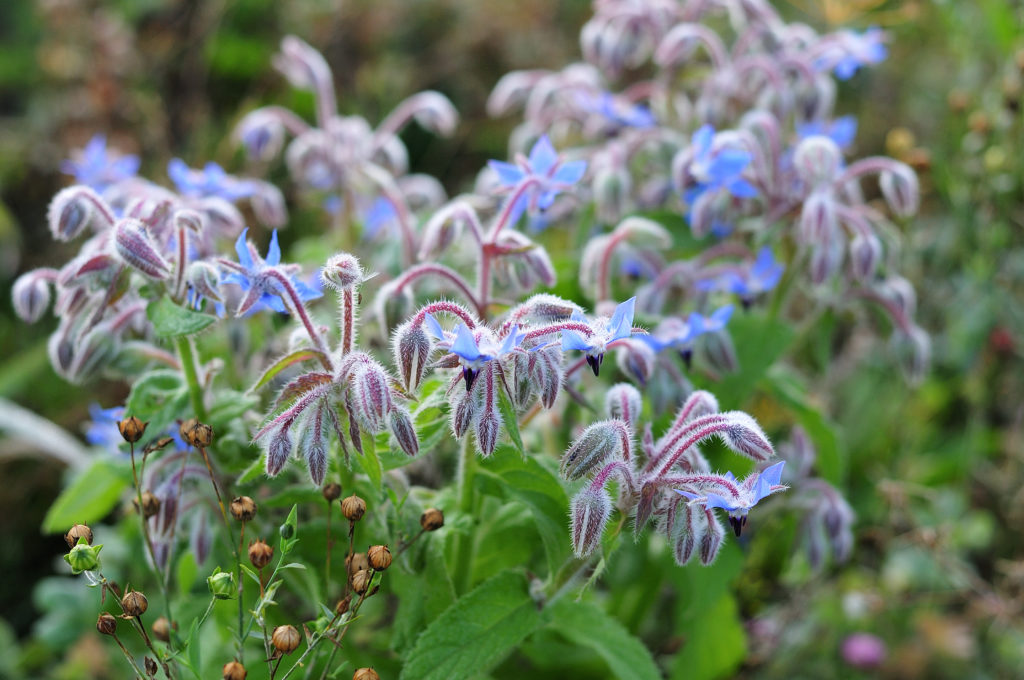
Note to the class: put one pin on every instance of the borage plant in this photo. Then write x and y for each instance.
(460, 451)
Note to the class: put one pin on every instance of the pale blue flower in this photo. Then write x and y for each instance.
(251, 271)
(545, 164)
(98, 168)
(715, 170)
(752, 490)
(606, 331)
(212, 180)
(762, 277)
(473, 351)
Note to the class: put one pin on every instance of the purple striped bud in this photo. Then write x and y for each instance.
(411, 347)
(136, 248)
(714, 535)
(462, 415)
(636, 359)
(745, 436)
(200, 540)
(686, 531)
(817, 160)
(486, 427)
(371, 396)
(77, 358)
(545, 308)
(315, 450)
(190, 220)
(865, 254)
(551, 377)
(262, 134)
(268, 205)
(901, 190)
(278, 450)
(644, 507)
(720, 352)
(599, 443)
(826, 260)
(405, 433)
(70, 212)
(589, 512)
(623, 402)
(818, 218)
(342, 272)
(31, 295)
(204, 279)
(433, 111)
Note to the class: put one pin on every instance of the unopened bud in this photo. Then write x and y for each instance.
(331, 491)
(711, 541)
(372, 396)
(353, 508)
(901, 190)
(233, 670)
(343, 605)
(134, 603)
(462, 415)
(161, 629)
(623, 402)
(865, 254)
(30, 296)
(745, 436)
(285, 639)
(243, 508)
(76, 532)
(817, 160)
(379, 557)
(432, 519)
(818, 217)
(70, 212)
(636, 359)
(131, 429)
(486, 428)
(137, 250)
(361, 581)
(196, 434)
(589, 512)
(222, 584)
(106, 624)
(279, 450)
(405, 434)
(204, 279)
(150, 504)
(342, 272)
(597, 444)
(720, 352)
(84, 557)
(365, 674)
(411, 347)
(260, 554)
(612, 187)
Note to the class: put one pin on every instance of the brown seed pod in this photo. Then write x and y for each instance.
(134, 603)
(106, 624)
(432, 519)
(150, 504)
(353, 508)
(196, 433)
(233, 670)
(285, 639)
(150, 665)
(131, 429)
(379, 557)
(260, 554)
(356, 562)
(162, 630)
(76, 532)
(361, 580)
(342, 605)
(243, 508)
(332, 491)
(365, 674)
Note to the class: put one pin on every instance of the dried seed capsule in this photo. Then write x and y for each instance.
(357, 562)
(151, 667)
(131, 429)
(134, 603)
(161, 629)
(106, 624)
(342, 605)
(196, 434)
(432, 519)
(76, 532)
(243, 508)
(332, 491)
(260, 554)
(285, 639)
(379, 557)
(365, 674)
(150, 504)
(361, 580)
(233, 670)
(353, 508)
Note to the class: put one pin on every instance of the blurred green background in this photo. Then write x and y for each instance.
(935, 473)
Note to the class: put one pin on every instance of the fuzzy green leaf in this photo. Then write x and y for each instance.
(171, 321)
(88, 498)
(586, 624)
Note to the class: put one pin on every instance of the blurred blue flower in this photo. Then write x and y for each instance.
(763, 275)
(97, 168)
(618, 110)
(249, 274)
(752, 490)
(212, 180)
(381, 215)
(102, 430)
(717, 170)
(858, 49)
(606, 331)
(842, 130)
(545, 164)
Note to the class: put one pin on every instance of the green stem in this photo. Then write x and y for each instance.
(241, 593)
(464, 543)
(562, 580)
(149, 547)
(188, 366)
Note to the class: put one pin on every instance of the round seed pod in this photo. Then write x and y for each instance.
(365, 674)
(233, 670)
(243, 508)
(134, 603)
(260, 554)
(353, 508)
(332, 491)
(361, 580)
(285, 639)
(432, 519)
(131, 429)
(76, 532)
(106, 624)
(379, 557)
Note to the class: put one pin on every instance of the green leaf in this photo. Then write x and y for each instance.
(187, 572)
(92, 494)
(476, 632)
(586, 624)
(525, 480)
(511, 420)
(284, 362)
(158, 397)
(787, 389)
(369, 461)
(715, 647)
(171, 321)
(759, 342)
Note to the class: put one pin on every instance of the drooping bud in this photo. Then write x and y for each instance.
(260, 554)
(644, 507)
(195, 433)
(204, 280)
(31, 296)
(316, 458)
(818, 218)
(411, 347)
(371, 396)
(379, 557)
(462, 415)
(432, 519)
(433, 111)
(719, 351)
(131, 429)
(598, 443)
(865, 254)
(636, 359)
(150, 504)
(233, 670)
(913, 350)
(285, 639)
(278, 452)
(331, 491)
(268, 205)
(134, 603)
(222, 584)
(745, 436)
(817, 160)
(686, 531)
(106, 624)
(353, 508)
(342, 272)
(486, 428)
(70, 211)
(84, 557)
(623, 402)
(404, 432)
(612, 188)
(77, 532)
(589, 512)
(261, 133)
(243, 508)
(135, 247)
(711, 541)
(901, 190)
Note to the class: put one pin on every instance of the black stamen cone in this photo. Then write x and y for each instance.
(469, 375)
(687, 357)
(595, 363)
(737, 524)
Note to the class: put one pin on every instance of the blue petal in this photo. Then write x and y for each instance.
(722, 315)
(696, 323)
(843, 131)
(621, 325)
(571, 172)
(545, 200)
(274, 251)
(773, 474)
(465, 344)
(691, 496)
(242, 249)
(433, 327)
(716, 501)
(513, 339)
(178, 171)
(729, 163)
(741, 188)
(571, 340)
(701, 140)
(508, 174)
(274, 302)
(542, 156)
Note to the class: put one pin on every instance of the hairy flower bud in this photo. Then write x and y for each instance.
(486, 428)
(623, 402)
(817, 160)
(371, 396)
(134, 603)
(131, 429)
(31, 296)
(222, 584)
(379, 557)
(278, 451)
(589, 512)
(353, 508)
(150, 504)
(818, 218)
(720, 352)
(136, 248)
(195, 433)
(106, 624)
(685, 532)
(432, 519)
(402, 429)
(243, 508)
(331, 491)
(743, 435)
(76, 532)
(233, 670)
(70, 211)
(411, 347)
(204, 280)
(260, 554)
(342, 272)
(285, 639)
(901, 190)
(462, 415)
(636, 359)
(711, 541)
(316, 457)
(865, 254)
(598, 443)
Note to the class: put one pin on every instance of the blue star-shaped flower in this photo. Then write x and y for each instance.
(98, 169)
(473, 351)
(212, 180)
(251, 275)
(619, 110)
(717, 170)
(842, 130)
(605, 332)
(762, 276)
(545, 164)
(858, 49)
(102, 430)
(752, 490)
